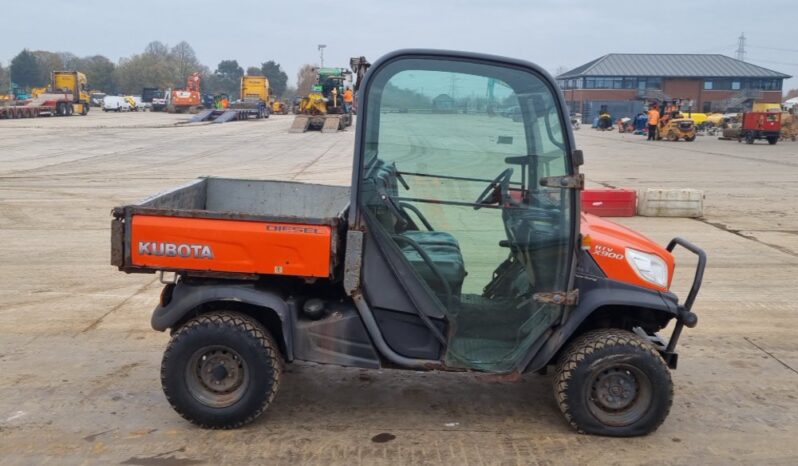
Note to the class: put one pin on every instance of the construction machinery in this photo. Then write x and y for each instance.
(66, 95)
(254, 93)
(154, 97)
(37, 91)
(277, 107)
(323, 108)
(424, 263)
(252, 104)
(222, 110)
(187, 100)
(760, 125)
(674, 129)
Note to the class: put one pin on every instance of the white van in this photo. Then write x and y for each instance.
(115, 103)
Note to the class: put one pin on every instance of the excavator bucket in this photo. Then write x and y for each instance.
(300, 124)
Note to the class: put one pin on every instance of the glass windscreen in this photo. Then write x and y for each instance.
(454, 152)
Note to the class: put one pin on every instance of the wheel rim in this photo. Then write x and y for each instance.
(217, 376)
(619, 395)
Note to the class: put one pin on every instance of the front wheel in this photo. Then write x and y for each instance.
(612, 382)
(773, 140)
(221, 370)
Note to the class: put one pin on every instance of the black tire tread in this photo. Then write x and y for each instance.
(242, 323)
(585, 345)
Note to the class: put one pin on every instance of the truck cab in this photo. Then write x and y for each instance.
(459, 246)
(74, 84)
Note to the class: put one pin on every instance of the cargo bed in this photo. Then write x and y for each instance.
(230, 227)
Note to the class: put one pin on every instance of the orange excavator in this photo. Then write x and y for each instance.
(188, 99)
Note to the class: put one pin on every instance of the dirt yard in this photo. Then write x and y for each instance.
(80, 363)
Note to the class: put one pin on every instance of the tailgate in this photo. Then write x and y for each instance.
(147, 243)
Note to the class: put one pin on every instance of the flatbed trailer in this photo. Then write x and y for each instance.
(49, 104)
(233, 228)
(25, 111)
(227, 114)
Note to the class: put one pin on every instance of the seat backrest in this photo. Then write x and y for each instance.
(520, 235)
(383, 180)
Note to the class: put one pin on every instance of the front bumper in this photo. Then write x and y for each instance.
(685, 316)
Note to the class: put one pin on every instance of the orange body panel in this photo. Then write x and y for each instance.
(176, 243)
(608, 242)
(185, 98)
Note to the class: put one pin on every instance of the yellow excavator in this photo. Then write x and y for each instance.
(323, 108)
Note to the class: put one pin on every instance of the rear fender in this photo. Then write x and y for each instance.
(184, 299)
(602, 294)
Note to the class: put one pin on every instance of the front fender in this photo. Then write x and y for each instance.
(595, 293)
(185, 298)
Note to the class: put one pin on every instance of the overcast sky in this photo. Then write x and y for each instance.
(549, 33)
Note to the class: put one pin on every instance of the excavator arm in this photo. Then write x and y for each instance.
(359, 67)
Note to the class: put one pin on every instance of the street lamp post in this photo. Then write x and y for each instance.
(321, 54)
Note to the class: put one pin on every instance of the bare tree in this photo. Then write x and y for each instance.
(157, 48)
(305, 79)
(185, 61)
(48, 62)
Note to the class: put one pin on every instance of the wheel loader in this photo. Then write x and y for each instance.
(459, 246)
(676, 128)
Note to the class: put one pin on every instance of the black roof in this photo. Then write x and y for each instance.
(676, 65)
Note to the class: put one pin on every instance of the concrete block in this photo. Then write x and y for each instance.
(663, 202)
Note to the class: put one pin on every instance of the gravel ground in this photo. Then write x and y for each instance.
(80, 364)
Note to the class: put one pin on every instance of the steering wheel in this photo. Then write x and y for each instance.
(502, 182)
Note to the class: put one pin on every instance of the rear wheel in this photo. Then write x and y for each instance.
(612, 382)
(673, 137)
(221, 370)
(772, 140)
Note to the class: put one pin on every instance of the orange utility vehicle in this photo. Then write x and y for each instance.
(422, 263)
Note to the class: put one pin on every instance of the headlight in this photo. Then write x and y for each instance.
(650, 267)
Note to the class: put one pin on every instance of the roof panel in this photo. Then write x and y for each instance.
(671, 65)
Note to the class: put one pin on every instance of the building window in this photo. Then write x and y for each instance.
(708, 85)
(654, 83)
(735, 85)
